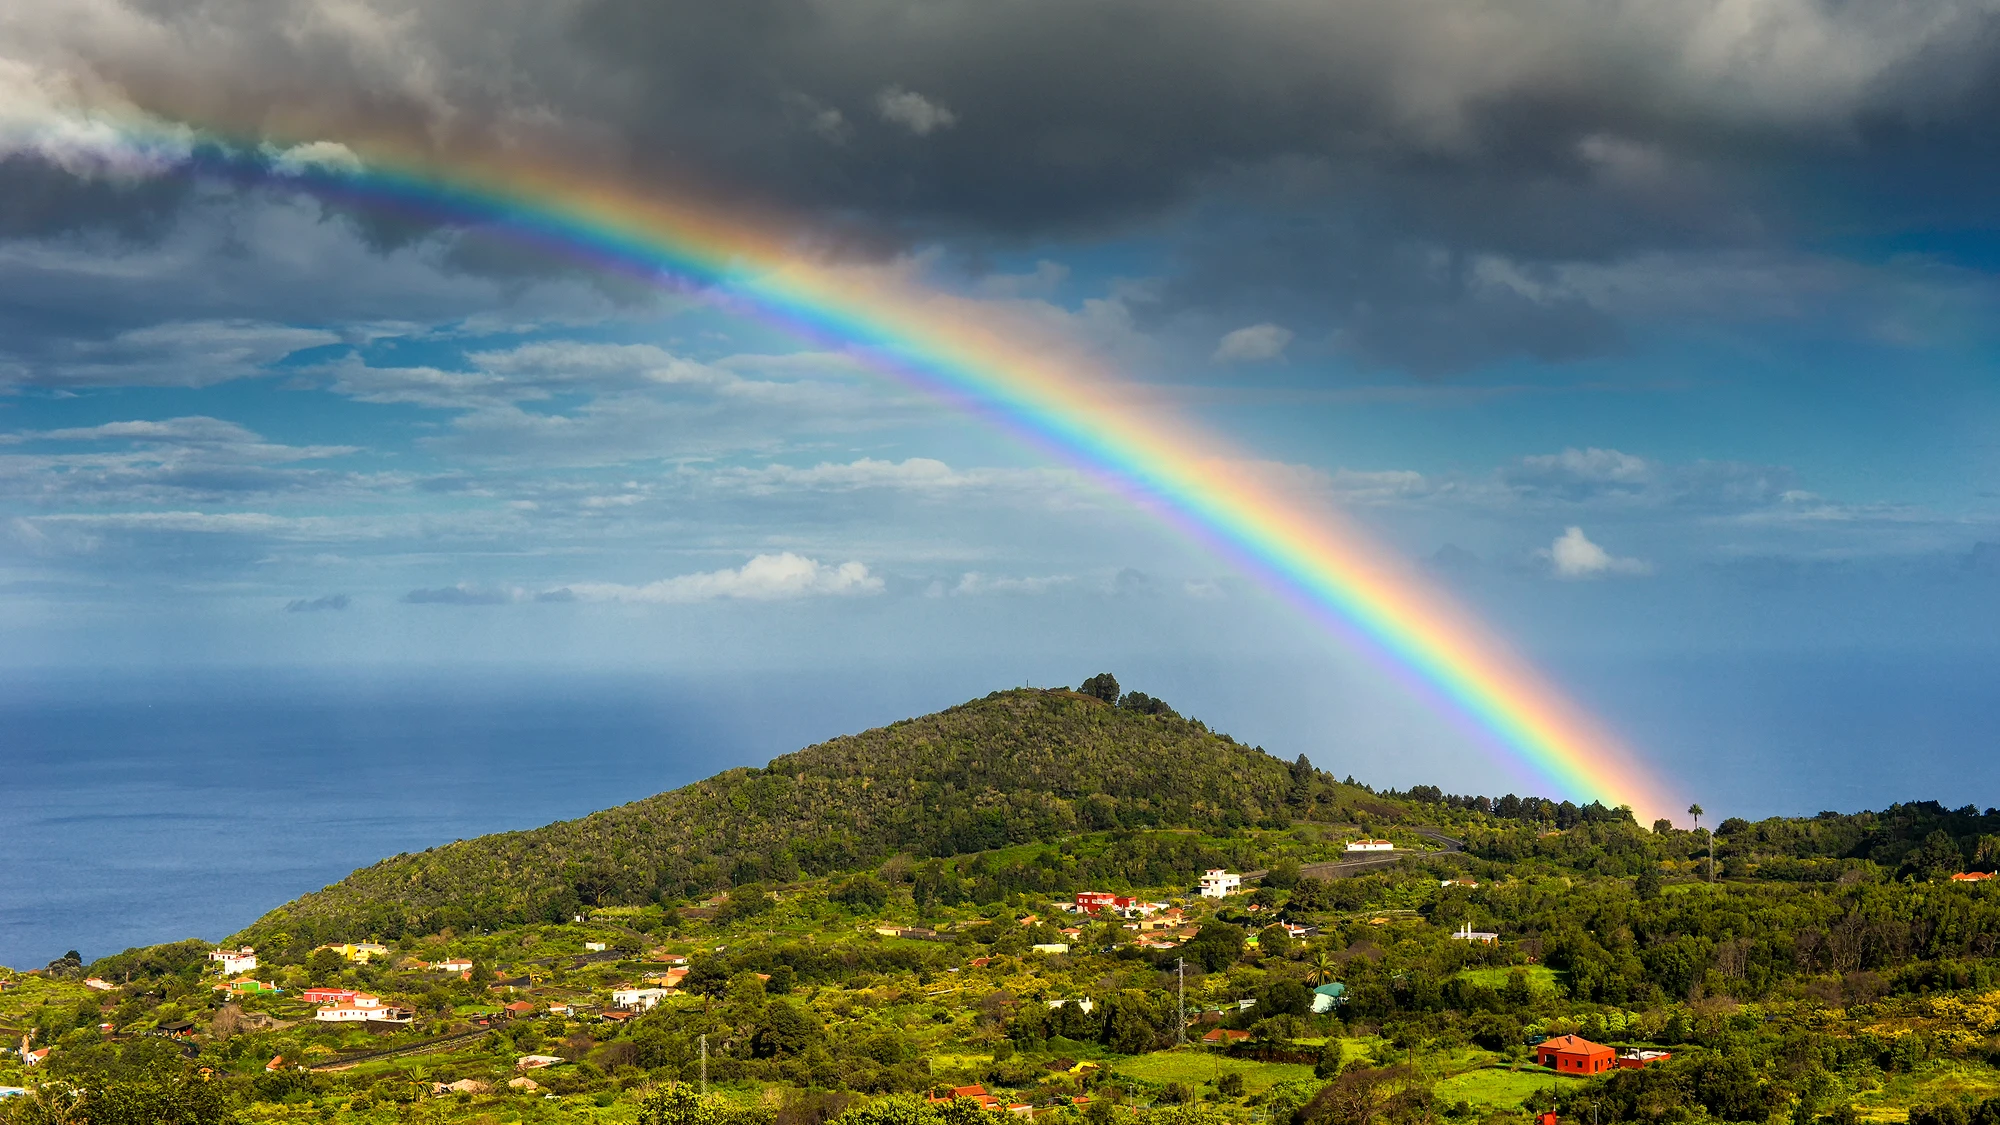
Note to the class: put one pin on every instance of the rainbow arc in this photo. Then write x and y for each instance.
(1012, 370)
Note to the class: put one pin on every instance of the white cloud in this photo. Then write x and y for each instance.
(913, 111)
(1254, 343)
(1591, 465)
(974, 583)
(178, 354)
(315, 156)
(765, 578)
(1574, 556)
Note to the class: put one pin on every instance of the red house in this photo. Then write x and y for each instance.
(327, 995)
(1569, 1054)
(1639, 1060)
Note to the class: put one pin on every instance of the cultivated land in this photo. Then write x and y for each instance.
(871, 922)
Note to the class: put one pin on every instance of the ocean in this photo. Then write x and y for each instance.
(142, 809)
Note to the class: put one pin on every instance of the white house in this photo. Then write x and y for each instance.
(1218, 883)
(534, 1062)
(98, 984)
(1371, 846)
(638, 999)
(234, 962)
(1052, 947)
(595, 946)
(1467, 933)
(452, 965)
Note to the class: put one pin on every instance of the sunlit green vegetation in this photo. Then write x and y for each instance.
(1830, 973)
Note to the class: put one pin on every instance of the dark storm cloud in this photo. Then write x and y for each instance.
(1399, 173)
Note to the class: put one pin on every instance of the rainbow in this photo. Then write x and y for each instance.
(1011, 370)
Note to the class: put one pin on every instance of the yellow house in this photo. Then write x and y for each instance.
(359, 952)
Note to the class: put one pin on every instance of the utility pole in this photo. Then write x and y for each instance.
(1180, 1022)
(704, 1065)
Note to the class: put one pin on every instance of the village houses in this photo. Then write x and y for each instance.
(234, 962)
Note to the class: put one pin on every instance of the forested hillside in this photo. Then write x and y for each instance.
(1017, 766)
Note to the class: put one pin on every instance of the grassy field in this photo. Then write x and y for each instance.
(1541, 978)
(30, 993)
(1500, 1089)
(1195, 1067)
(1940, 1082)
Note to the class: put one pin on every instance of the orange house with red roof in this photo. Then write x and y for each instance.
(1571, 1054)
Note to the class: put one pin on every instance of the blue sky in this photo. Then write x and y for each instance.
(1659, 334)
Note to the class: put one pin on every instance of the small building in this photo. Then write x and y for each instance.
(327, 995)
(1484, 937)
(249, 987)
(974, 1093)
(634, 999)
(595, 946)
(36, 1057)
(358, 952)
(1640, 1059)
(1052, 947)
(1224, 1036)
(99, 984)
(452, 965)
(536, 1062)
(1963, 877)
(234, 962)
(1328, 996)
(1572, 1054)
(362, 1007)
(1371, 846)
(1217, 883)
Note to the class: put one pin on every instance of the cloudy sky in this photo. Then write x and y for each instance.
(1661, 333)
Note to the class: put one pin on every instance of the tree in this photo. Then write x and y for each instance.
(786, 1030)
(862, 893)
(1103, 686)
(1647, 886)
(1321, 969)
(1216, 947)
(1695, 811)
(1275, 941)
(677, 1103)
(1937, 857)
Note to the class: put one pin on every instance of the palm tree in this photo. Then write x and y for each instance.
(1320, 969)
(1695, 812)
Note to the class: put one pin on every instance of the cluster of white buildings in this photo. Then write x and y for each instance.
(234, 962)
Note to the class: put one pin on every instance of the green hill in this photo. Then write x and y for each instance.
(1016, 767)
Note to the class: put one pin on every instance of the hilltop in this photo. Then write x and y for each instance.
(1016, 767)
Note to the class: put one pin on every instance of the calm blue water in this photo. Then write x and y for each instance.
(147, 809)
